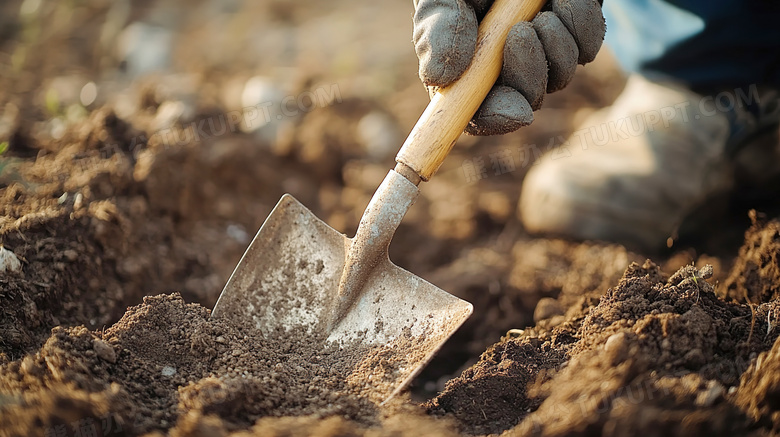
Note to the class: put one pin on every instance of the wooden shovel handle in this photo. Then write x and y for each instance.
(452, 107)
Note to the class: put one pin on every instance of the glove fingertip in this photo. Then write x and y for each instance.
(504, 110)
(445, 37)
(585, 22)
(525, 64)
(559, 47)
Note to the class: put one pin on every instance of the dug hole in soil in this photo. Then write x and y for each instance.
(117, 244)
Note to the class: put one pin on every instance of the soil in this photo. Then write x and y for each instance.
(646, 338)
(126, 239)
(166, 359)
(756, 274)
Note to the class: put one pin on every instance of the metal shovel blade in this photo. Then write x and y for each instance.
(289, 278)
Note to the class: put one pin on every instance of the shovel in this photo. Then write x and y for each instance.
(300, 274)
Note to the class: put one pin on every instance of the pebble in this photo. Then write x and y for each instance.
(8, 261)
(708, 397)
(168, 371)
(104, 351)
(78, 201)
(617, 347)
(88, 94)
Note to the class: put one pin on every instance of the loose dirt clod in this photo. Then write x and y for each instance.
(648, 341)
(174, 360)
(104, 351)
(759, 387)
(755, 277)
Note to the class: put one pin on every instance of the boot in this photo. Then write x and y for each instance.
(634, 170)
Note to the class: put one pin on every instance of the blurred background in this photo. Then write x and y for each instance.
(152, 138)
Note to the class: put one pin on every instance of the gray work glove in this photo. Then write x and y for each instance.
(539, 56)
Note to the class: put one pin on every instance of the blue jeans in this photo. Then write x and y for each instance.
(707, 44)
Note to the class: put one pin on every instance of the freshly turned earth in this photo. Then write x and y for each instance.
(125, 242)
(607, 354)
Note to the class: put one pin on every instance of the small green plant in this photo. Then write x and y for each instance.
(690, 275)
(52, 100)
(3, 161)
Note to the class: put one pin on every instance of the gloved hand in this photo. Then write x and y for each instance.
(539, 56)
